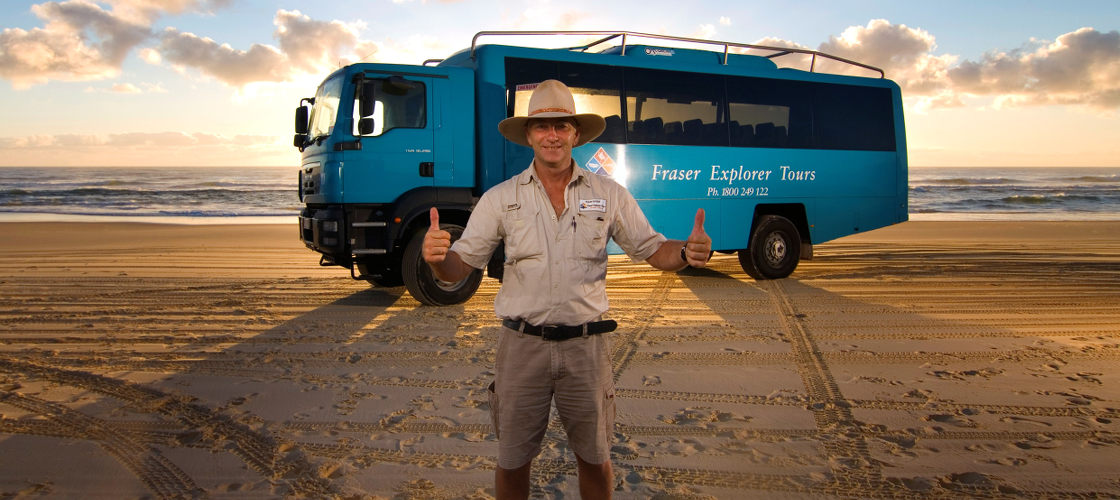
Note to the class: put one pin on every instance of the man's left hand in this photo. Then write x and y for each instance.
(698, 247)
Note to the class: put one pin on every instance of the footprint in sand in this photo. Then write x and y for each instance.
(955, 420)
(1021, 420)
(701, 416)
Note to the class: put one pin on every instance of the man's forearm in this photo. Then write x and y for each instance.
(452, 268)
(668, 256)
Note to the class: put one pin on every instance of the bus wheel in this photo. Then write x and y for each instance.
(775, 248)
(423, 285)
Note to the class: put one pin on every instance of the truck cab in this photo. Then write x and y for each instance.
(381, 144)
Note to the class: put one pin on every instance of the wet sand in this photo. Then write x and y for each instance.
(925, 360)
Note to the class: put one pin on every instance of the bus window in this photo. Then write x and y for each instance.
(326, 108)
(397, 103)
(670, 107)
(851, 117)
(769, 113)
(594, 87)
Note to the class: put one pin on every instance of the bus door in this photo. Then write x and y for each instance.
(394, 115)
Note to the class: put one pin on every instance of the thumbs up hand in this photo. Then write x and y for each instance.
(698, 247)
(437, 242)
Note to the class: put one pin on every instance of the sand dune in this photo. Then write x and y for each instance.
(923, 360)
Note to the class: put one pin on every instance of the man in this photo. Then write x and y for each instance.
(555, 220)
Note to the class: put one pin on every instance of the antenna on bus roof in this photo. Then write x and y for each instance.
(611, 35)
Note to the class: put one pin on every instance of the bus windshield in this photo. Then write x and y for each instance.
(325, 111)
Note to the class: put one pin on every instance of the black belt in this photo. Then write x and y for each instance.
(561, 332)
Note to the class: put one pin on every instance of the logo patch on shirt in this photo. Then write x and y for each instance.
(596, 205)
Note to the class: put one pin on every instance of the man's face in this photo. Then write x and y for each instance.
(552, 140)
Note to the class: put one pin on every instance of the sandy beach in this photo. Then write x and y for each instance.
(924, 360)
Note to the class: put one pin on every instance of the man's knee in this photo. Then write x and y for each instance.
(512, 483)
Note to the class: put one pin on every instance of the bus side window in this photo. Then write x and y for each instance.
(594, 87)
(851, 117)
(674, 107)
(770, 113)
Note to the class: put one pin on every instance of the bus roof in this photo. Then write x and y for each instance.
(724, 56)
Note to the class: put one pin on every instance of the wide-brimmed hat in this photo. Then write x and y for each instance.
(552, 99)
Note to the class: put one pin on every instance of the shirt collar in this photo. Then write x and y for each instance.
(527, 175)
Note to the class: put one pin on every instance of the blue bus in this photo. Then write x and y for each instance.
(781, 159)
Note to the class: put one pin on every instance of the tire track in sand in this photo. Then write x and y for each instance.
(854, 470)
(162, 477)
(260, 452)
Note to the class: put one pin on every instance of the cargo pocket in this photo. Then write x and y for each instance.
(494, 410)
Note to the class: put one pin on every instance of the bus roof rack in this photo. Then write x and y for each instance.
(611, 35)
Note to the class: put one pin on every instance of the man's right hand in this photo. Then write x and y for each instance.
(437, 242)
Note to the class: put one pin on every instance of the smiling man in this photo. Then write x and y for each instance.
(555, 220)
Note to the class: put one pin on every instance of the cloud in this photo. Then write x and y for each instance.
(1078, 68)
(1081, 67)
(129, 88)
(150, 56)
(312, 45)
(543, 15)
(82, 41)
(305, 46)
(232, 66)
(904, 53)
(705, 32)
(147, 11)
(125, 88)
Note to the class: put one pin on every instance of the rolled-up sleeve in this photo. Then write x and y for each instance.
(482, 234)
(632, 231)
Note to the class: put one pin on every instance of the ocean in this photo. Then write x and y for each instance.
(213, 195)
(180, 195)
(1023, 193)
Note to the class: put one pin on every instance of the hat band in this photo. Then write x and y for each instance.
(551, 110)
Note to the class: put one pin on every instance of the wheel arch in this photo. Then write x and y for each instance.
(795, 213)
(412, 208)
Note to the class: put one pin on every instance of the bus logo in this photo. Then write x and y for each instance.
(601, 163)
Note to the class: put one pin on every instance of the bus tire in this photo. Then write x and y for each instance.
(775, 249)
(422, 283)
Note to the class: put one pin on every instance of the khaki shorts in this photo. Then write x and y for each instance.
(530, 374)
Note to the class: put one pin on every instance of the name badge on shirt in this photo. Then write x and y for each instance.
(595, 205)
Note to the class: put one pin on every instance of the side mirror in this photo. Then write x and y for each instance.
(302, 126)
(365, 126)
(366, 99)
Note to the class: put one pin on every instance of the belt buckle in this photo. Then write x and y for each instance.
(548, 331)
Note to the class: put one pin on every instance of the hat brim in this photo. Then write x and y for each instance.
(591, 126)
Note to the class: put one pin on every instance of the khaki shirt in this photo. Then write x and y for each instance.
(556, 267)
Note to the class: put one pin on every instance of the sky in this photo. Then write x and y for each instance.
(215, 82)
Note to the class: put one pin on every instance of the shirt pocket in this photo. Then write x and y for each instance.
(591, 238)
(522, 235)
